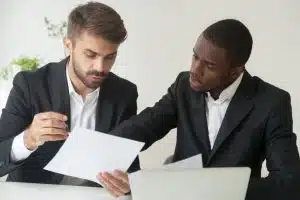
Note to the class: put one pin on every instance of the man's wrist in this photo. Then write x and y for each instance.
(28, 141)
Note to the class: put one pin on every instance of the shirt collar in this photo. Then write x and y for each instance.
(70, 85)
(228, 92)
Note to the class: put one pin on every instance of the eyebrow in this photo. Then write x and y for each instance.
(93, 52)
(207, 61)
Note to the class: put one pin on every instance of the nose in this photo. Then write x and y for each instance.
(99, 64)
(197, 67)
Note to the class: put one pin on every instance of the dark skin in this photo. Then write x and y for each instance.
(211, 71)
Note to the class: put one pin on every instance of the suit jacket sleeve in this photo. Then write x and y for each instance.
(16, 116)
(281, 157)
(130, 111)
(153, 123)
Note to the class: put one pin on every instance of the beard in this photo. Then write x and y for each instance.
(84, 77)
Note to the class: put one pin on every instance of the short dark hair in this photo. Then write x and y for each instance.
(98, 19)
(233, 36)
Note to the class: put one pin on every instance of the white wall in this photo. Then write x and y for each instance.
(161, 38)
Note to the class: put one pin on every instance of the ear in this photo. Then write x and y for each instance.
(68, 46)
(236, 71)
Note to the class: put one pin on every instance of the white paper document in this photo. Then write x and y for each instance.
(194, 162)
(86, 153)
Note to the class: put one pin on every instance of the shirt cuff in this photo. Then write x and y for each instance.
(19, 151)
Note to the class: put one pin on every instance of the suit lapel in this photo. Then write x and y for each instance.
(105, 106)
(238, 109)
(59, 92)
(198, 119)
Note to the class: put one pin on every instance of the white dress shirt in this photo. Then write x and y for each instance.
(216, 109)
(83, 114)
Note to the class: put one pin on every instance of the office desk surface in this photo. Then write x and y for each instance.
(24, 191)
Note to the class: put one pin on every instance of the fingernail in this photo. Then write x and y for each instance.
(65, 118)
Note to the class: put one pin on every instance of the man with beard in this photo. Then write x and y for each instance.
(80, 91)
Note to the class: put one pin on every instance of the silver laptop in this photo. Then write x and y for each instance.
(190, 184)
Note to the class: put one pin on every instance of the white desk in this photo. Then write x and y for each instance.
(18, 191)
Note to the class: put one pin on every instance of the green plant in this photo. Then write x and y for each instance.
(5, 73)
(55, 30)
(26, 63)
(21, 64)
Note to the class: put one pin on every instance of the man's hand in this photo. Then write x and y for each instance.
(116, 183)
(48, 126)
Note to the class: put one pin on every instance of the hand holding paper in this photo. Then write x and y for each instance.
(118, 183)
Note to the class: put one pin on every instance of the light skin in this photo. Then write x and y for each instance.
(211, 71)
(91, 59)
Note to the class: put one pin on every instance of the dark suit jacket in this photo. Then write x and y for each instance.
(257, 126)
(46, 90)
